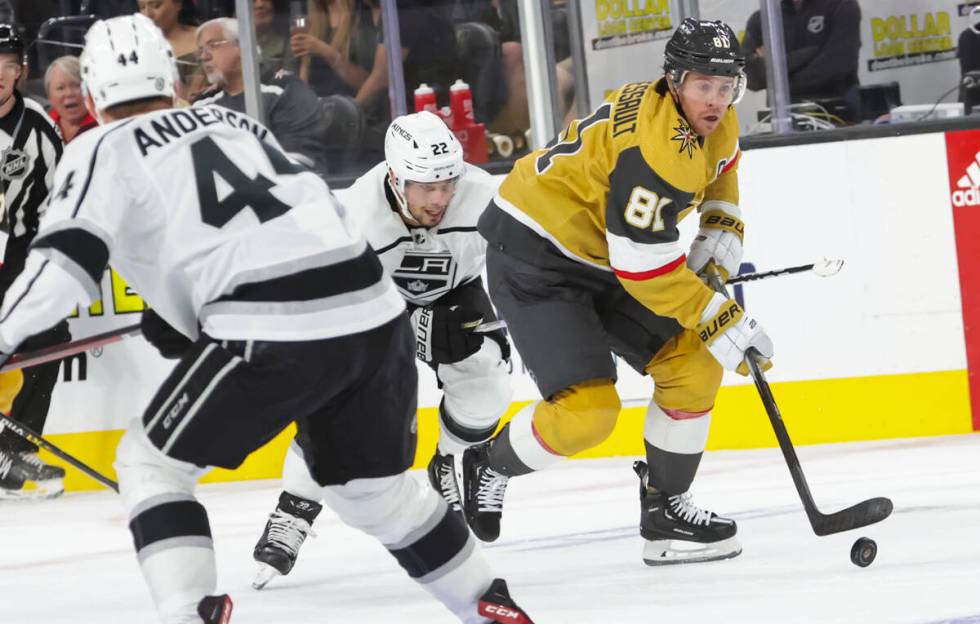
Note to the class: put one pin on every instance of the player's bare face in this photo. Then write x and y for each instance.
(428, 201)
(704, 100)
(9, 74)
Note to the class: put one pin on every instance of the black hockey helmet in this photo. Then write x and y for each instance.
(10, 40)
(706, 47)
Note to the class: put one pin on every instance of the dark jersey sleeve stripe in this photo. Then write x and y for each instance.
(83, 248)
(348, 276)
(461, 228)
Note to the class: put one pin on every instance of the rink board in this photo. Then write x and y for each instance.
(877, 351)
(829, 410)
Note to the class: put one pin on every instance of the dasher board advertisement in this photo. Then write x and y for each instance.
(624, 41)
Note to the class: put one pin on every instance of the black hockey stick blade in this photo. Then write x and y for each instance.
(864, 513)
(61, 351)
(35, 438)
(854, 517)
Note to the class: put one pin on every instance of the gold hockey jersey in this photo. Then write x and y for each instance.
(610, 191)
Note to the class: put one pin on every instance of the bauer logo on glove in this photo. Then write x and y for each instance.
(718, 241)
(444, 334)
(729, 333)
(710, 330)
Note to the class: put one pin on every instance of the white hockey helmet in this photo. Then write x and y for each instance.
(126, 58)
(420, 148)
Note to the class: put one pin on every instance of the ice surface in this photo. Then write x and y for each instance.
(570, 549)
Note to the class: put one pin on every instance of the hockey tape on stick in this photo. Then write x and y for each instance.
(35, 438)
(824, 268)
(28, 359)
(862, 514)
(492, 326)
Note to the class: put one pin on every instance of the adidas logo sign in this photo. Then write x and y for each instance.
(968, 186)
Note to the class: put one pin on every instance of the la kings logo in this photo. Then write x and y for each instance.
(424, 276)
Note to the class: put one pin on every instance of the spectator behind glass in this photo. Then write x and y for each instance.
(968, 52)
(822, 39)
(63, 86)
(502, 16)
(290, 109)
(336, 47)
(428, 53)
(176, 18)
(272, 34)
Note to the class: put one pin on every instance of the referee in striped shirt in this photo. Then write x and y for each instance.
(30, 148)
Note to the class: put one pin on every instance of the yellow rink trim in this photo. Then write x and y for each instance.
(827, 410)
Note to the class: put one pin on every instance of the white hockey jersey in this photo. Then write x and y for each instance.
(201, 213)
(425, 263)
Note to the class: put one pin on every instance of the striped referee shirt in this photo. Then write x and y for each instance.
(30, 148)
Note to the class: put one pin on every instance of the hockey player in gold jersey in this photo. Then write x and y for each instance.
(584, 260)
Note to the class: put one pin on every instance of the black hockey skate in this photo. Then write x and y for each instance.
(24, 475)
(677, 531)
(497, 605)
(215, 609)
(442, 476)
(483, 493)
(284, 533)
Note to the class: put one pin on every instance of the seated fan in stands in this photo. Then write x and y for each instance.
(822, 39)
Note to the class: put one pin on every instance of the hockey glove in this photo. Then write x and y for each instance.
(169, 342)
(728, 333)
(444, 334)
(719, 240)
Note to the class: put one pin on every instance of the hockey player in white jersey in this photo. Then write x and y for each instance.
(291, 315)
(419, 210)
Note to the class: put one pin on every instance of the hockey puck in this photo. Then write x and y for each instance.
(863, 552)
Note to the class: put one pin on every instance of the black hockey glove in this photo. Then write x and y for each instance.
(169, 342)
(444, 334)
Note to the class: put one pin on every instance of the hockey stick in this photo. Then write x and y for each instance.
(61, 351)
(486, 328)
(862, 514)
(824, 268)
(35, 438)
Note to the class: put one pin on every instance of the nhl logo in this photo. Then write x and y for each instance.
(158, 84)
(417, 286)
(14, 164)
(816, 24)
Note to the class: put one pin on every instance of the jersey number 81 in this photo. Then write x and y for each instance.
(645, 209)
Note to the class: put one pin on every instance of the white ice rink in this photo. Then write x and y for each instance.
(569, 549)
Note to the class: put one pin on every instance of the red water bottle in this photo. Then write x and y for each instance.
(425, 99)
(461, 103)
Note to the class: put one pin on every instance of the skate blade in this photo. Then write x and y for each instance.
(670, 552)
(35, 490)
(265, 574)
